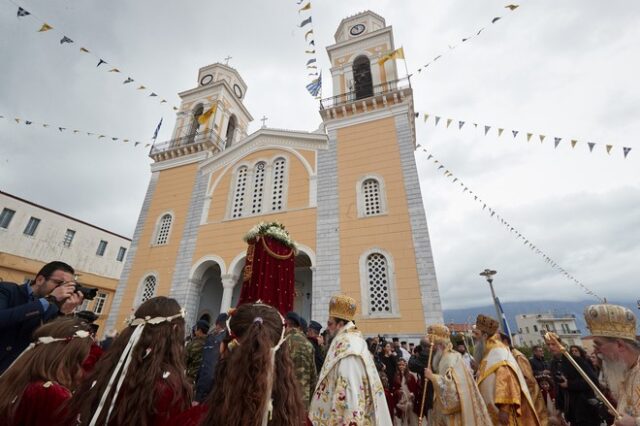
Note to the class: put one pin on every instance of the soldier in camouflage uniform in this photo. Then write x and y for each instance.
(302, 354)
(194, 350)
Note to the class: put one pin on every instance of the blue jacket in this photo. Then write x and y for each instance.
(210, 356)
(20, 315)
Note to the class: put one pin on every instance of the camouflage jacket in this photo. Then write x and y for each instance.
(304, 364)
(194, 357)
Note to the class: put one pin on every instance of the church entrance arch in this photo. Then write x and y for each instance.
(211, 292)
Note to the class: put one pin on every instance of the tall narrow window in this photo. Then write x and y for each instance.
(258, 188)
(121, 252)
(194, 124)
(102, 246)
(5, 217)
(68, 237)
(277, 193)
(371, 195)
(101, 300)
(149, 289)
(379, 289)
(231, 131)
(162, 235)
(362, 77)
(239, 192)
(31, 227)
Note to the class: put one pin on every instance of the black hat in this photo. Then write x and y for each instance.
(203, 326)
(294, 317)
(222, 318)
(315, 325)
(303, 324)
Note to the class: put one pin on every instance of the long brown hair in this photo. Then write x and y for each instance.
(59, 362)
(159, 350)
(243, 377)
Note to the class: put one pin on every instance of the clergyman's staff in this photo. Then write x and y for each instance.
(552, 337)
(424, 388)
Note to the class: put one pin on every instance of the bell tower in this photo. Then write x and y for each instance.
(373, 240)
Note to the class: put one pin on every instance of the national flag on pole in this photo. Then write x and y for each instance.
(208, 114)
(155, 134)
(396, 54)
(315, 86)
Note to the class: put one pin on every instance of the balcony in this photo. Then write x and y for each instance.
(380, 96)
(190, 144)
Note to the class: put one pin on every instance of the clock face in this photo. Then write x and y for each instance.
(357, 29)
(237, 90)
(206, 79)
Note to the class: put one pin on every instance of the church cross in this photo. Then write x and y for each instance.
(264, 120)
(226, 60)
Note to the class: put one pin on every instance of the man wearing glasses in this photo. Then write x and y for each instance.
(23, 308)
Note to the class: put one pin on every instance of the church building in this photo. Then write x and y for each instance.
(348, 193)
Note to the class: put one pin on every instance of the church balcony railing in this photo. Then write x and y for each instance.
(189, 144)
(354, 101)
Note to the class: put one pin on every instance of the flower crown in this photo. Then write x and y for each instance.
(133, 321)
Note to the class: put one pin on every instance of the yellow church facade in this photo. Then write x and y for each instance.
(348, 193)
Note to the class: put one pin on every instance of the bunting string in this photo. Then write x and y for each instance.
(315, 86)
(513, 230)
(525, 136)
(509, 7)
(73, 131)
(102, 64)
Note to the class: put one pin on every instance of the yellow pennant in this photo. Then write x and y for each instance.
(305, 7)
(609, 149)
(45, 27)
(82, 49)
(542, 138)
(114, 70)
(141, 88)
(500, 132)
(573, 143)
(529, 136)
(449, 120)
(426, 116)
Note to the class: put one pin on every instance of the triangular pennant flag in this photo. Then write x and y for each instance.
(125, 140)
(512, 7)
(45, 27)
(28, 123)
(22, 12)
(426, 117)
(141, 88)
(556, 141)
(496, 19)
(17, 120)
(464, 39)
(62, 128)
(101, 136)
(305, 22)
(609, 149)
(114, 70)
(82, 49)
(542, 138)
(449, 120)
(441, 167)
(310, 61)
(65, 39)
(573, 143)
(475, 125)
(114, 139)
(529, 136)
(128, 80)
(484, 207)
(478, 33)
(492, 213)
(312, 43)
(515, 133)
(626, 150)
(460, 124)
(311, 52)
(136, 144)
(175, 108)
(89, 134)
(429, 157)
(465, 189)
(454, 180)
(305, 7)
(152, 94)
(164, 101)
(437, 120)
(147, 145)
(436, 58)
(591, 145)
(76, 131)
(308, 33)
(45, 125)
(500, 132)
(102, 61)
(486, 130)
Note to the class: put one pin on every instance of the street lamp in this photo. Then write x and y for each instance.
(488, 274)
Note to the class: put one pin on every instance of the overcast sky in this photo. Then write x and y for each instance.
(567, 69)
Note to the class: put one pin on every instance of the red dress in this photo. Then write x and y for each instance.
(41, 404)
(190, 417)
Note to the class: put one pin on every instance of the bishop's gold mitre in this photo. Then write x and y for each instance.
(611, 321)
(343, 307)
(438, 333)
(487, 324)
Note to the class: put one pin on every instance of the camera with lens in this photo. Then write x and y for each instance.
(89, 293)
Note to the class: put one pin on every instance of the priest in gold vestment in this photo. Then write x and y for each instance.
(613, 329)
(500, 379)
(457, 400)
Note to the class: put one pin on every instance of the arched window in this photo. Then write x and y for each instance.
(149, 288)
(371, 196)
(231, 130)
(379, 285)
(239, 191)
(258, 188)
(278, 184)
(194, 124)
(164, 227)
(362, 77)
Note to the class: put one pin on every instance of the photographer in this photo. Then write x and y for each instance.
(23, 308)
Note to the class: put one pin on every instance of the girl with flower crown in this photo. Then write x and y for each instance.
(34, 389)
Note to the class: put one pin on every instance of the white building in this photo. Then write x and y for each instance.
(32, 235)
(531, 328)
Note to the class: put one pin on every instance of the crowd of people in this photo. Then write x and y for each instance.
(256, 366)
